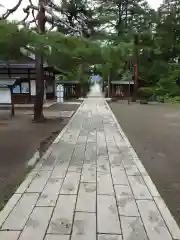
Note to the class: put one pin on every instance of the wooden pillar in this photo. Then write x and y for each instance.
(78, 91)
(67, 91)
(113, 90)
(29, 82)
(30, 91)
(12, 102)
(9, 72)
(20, 86)
(109, 87)
(54, 86)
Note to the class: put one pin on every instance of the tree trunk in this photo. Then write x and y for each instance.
(39, 99)
(136, 66)
(102, 83)
(38, 104)
(119, 22)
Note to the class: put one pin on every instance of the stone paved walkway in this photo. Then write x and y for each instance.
(90, 185)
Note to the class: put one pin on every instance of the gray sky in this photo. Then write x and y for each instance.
(19, 14)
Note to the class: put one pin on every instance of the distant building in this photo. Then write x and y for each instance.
(96, 78)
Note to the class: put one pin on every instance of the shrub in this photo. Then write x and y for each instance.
(145, 92)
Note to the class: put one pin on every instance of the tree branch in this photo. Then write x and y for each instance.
(30, 1)
(57, 20)
(28, 23)
(10, 11)
(54, 6)
(25, 18)
(34, 17)
(31, 7)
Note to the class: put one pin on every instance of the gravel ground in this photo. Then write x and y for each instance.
(20, 138)
(154, 132)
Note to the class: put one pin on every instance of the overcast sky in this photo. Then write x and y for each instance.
(19, 14)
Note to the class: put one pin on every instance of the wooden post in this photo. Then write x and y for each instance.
(54, 86)
(108, 86)
(30, 91)
(12, 102)
(129, 92)
(29, 86)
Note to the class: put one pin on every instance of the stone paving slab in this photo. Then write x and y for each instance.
(50, 193)
(104, 183)
(84, 226)
(88, 173)
(89, 185)
(71, 183)
(133, 229)
(57, 237)
(62, 218)
(9, 207)
(9, 235)
(36, 225)
(139, 187)
(21, 212)
(107, 215)
(125, 201)
(86, 201)
(109, 237)
(39, 182)
(119, 176)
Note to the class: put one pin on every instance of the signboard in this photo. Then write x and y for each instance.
(5, 96)
(33, 87)
(6, 83)
(60, 93)
(25, 87)
(16, 89)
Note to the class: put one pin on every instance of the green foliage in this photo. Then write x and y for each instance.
(107, 42)
(176, 99)
(145, 92)
(11, 39)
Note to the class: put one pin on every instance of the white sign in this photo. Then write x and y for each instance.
(33, 87)
(5, 96)
(9, 82)
(25, 87)
(60, 93)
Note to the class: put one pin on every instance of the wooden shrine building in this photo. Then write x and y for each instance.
(125, 85)
(25, 72)
(73, 89)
